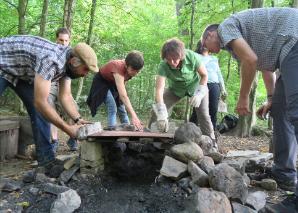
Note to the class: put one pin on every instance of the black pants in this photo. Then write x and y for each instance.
(214, 93)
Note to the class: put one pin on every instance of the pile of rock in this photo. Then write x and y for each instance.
(215, 183)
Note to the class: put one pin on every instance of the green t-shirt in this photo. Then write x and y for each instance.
(182, 81)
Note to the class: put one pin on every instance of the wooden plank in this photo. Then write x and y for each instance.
(131, 134)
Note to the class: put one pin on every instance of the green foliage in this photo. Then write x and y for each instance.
(124, 25)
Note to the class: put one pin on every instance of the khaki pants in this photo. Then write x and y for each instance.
(203, 117)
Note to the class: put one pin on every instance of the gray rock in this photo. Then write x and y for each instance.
(239, 164)
(198, 176)
(241, 153)
(34, 190)
(8, 185)
(207, 164)
(42, 178)
(216, 156)
(29, 176)
(187, 132)
(267, 183)
(256, 200)
(239, 208)
(207, 201)
(186, 152)
(66, 175)
(184, 184)
(226, 179)
(206, 144)
(172, 168)
(54, 188)
(246, 179)
(66, 202)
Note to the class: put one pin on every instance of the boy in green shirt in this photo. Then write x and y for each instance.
(187, 76)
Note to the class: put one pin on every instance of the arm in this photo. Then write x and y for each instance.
(66, 99)
(221, 80)
(119, 79)
(269, 79)
(202, 88)
(41, 92)
(202, 71)
(160, 87)
(248, 61)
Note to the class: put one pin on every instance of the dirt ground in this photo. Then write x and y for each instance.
(107, 194)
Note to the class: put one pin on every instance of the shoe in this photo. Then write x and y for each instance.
(284, 184)
(72, 144)
(55, 145)
(109, 128)
(54, 168)
(288, 205)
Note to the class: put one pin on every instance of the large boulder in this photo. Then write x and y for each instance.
(187, 132)
(206, 201)
(186, 152)
(226, 179)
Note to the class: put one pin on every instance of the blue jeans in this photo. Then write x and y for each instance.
(40, 126)
(214, 94)
(112, 111)
(285, 118)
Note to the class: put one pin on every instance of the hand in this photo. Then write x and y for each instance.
(137, 123)
(72, 130)
(242, 107)
(200, 93)
(161, 112)
(82, 121)
(263, 111)
(224, 95)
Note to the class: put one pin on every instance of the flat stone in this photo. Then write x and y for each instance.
(198, 176)
(256, 200)
(66, 175)
(240, 153)
(239, 208)
(172, 168)
(54, 188)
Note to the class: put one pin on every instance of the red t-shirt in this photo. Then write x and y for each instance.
(114, 66)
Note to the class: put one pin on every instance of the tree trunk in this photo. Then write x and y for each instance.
(295, 4)
(69, 6)
(22, 21)
(193, 8)
(245, 123)
(22, 30)
(91, 24)
(44, 16)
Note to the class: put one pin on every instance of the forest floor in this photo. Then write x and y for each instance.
(107, 194)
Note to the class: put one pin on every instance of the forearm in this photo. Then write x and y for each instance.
(70, 107)
(159, 90)
(248, 73)
(125, 100)
(50, 114)
(269, 79)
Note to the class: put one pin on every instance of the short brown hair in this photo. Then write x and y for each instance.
(172, 47)
(135, 60)
(209, 28)
(62, 30)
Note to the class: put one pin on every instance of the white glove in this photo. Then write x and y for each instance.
(200, 93)
(161, 113)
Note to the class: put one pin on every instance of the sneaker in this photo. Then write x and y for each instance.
(55, 145)
(288, 205)
(54, 168)
(72, 144)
